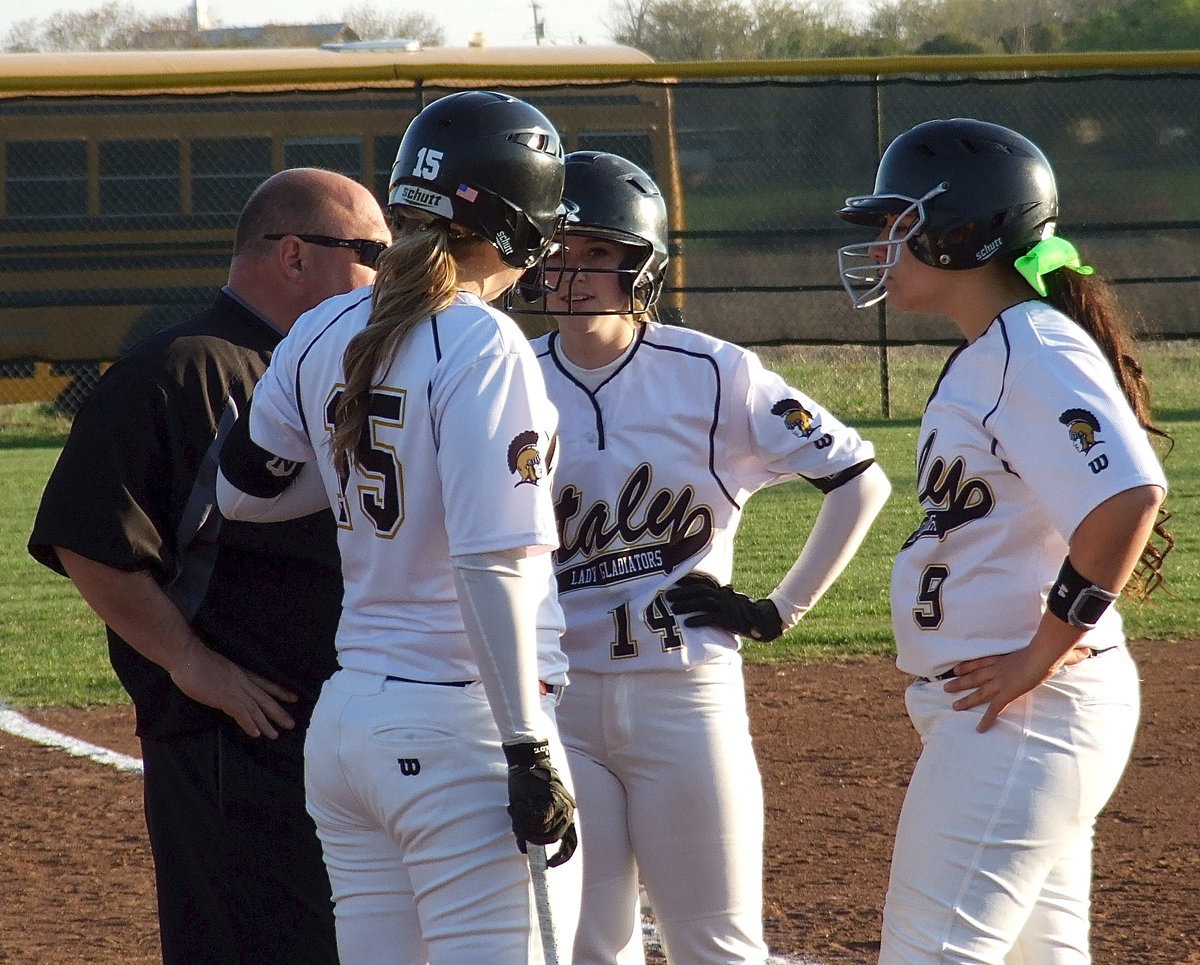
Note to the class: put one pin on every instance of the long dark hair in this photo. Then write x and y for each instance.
(1093, 304)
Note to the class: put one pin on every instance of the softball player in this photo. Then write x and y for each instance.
(426, 416)
(1040, 490)
(664, 434)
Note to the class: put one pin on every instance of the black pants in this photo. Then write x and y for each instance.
(237, 862)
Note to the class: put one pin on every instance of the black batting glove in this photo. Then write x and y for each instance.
(541, 808)
(714, 605)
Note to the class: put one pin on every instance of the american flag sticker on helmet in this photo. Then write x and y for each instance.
(466, 192)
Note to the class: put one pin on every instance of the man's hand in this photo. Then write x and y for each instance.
(216, 681)
(142, 615)
(541, 809)
(722, 606)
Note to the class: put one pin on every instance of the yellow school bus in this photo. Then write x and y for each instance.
(123, 173)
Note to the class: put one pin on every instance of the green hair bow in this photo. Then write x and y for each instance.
(1046, 256)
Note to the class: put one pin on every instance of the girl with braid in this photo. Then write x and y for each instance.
(1042, 495)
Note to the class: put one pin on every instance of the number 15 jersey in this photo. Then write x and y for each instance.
(455, 462)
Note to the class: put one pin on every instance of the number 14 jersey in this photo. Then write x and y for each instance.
(654, 467)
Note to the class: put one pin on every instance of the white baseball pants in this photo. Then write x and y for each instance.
(992, 861)
(668, 786)
(408, 787)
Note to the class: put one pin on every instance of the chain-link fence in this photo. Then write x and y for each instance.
(117, 212)
(765, 164)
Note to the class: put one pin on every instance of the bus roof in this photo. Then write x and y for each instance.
(242, 69)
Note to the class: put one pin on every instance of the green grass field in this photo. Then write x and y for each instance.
(52, 650)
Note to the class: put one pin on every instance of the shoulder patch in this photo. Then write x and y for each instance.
(796, 418)
(524, 459)
(1082, 427)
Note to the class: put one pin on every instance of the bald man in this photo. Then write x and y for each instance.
(221, 632)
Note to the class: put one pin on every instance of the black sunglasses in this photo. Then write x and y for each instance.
(367, 249)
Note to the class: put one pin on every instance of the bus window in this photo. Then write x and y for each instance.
(118, 212)
(385, 156)
(225, 170)
(340, 154)
(139, 177)
(46, 179)
(635, 146)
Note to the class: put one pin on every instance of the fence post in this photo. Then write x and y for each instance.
(885, 393)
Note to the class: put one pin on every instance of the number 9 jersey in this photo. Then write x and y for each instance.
(1026, 433)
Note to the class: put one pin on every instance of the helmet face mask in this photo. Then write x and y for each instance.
(857, 263)
(489, 163)
(613, 200)
(979, 190)
(633, 274)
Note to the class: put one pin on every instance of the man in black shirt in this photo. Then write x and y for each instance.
(221, 632)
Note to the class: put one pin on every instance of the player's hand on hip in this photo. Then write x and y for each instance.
(997, 681)
(722, 606)
(541, 808)
(216, 681)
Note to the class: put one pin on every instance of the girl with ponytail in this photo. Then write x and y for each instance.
(421, 412)
(1041, 492)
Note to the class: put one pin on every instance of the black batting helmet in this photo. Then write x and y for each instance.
(617, 200)
(610, 197)
(976, 190)
(488, 162)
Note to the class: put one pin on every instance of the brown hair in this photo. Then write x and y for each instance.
(416, 277)
(1092, 303)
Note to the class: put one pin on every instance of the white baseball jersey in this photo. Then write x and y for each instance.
(1026, 433)
(648, 491)
(460, 412)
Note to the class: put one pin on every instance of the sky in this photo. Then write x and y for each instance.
(503, 22)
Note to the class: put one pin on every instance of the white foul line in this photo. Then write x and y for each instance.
(21, 726)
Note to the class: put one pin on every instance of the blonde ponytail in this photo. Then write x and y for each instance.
(417, 277)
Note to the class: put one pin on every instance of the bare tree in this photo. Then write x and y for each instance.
(371, 23)
(120, 26)
(111, 26)
(631, 22)
(727, 29)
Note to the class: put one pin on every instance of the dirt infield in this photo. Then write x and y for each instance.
(835, 750)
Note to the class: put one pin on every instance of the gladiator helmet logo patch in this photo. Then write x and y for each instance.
(798, 419)
(1082, 426)
(524, 459)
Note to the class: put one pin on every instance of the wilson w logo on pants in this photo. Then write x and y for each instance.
(409, 766)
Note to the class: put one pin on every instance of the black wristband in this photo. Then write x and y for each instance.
(1074, 599)
(527, 754)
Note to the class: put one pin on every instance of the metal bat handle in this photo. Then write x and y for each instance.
(541, 896)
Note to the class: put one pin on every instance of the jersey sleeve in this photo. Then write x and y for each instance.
(790, 432)
(112, 493)
(1064, 427)
(495, 435)
(276, 421)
